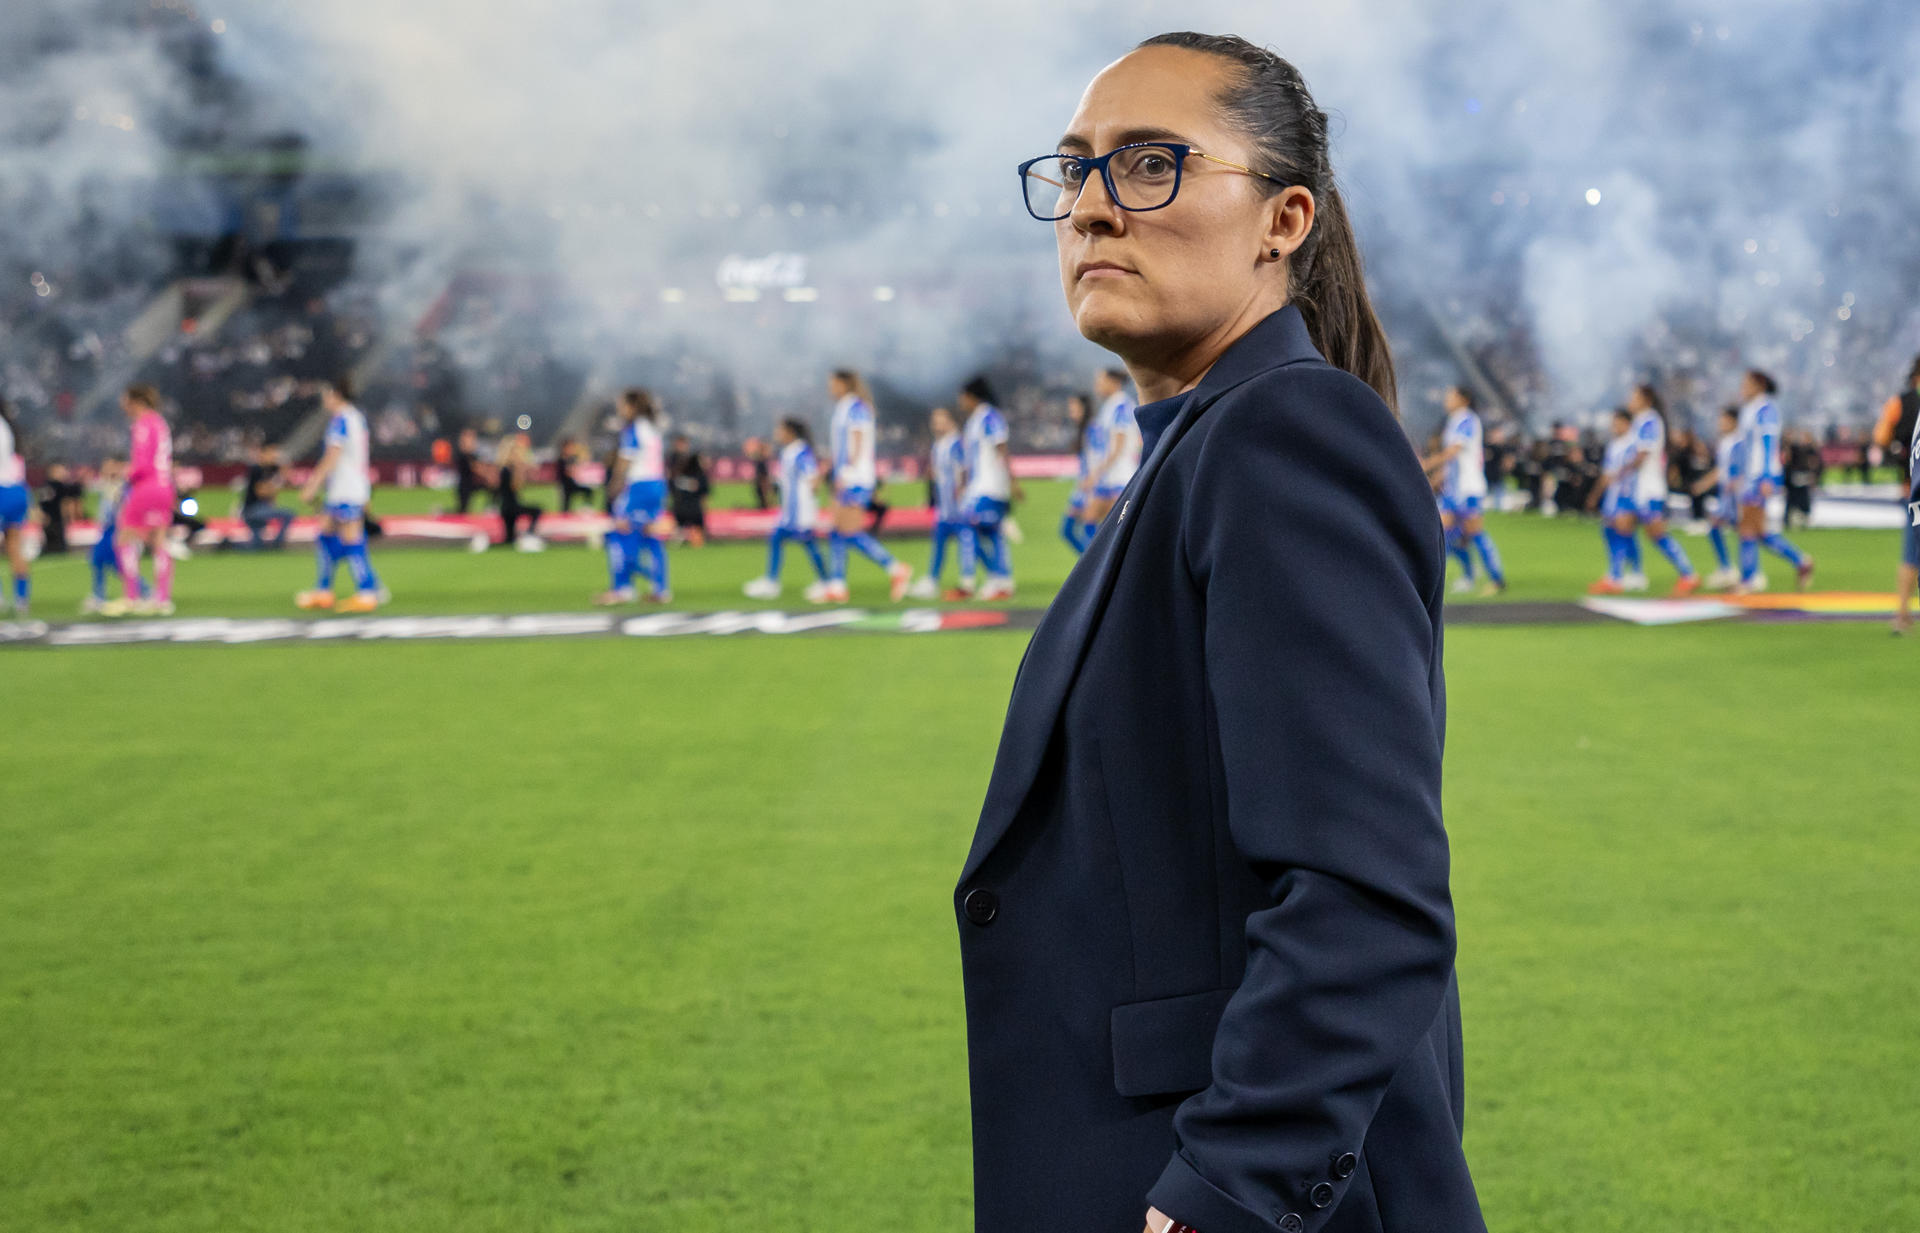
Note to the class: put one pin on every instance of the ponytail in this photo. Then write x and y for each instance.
(1332, 296)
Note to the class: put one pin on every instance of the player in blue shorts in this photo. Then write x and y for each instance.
(950, 525)
(1645, 486)
(1910, 548)
(640, 474)
(1613, 495)
(1090, 453)
(1761, 475)
(1120, 433)
(853, 439)
(15, 507)
(346, 470)
(799, 513)
(989, 491)
(1724, 481)
(1461, 465)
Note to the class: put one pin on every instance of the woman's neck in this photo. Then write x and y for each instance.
(1173, 370)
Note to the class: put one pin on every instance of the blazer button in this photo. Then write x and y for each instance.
(1321, 1195)
(1343, 1166)
(981, 906)
(1291, 1223)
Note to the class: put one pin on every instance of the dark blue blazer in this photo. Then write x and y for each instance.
(1205, 927)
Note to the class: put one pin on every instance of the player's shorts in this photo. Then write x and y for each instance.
(1461, 507)
(345, 511)
(148, 507)
(14, 505)
(987, 511)
(1076, 502)
(1650, 508)
(102, 552)
(1910, 549)
(641, 502)
(1755, 494)
(793, 530)
(853, 498)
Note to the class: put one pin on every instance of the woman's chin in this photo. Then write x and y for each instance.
(1108, 324)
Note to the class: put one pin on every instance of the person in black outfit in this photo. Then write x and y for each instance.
(759, 453)
(467, 478)
(687, 479)
(513, 464)
(257, 507)
(61, 501)
(565, 460)
(1803, 466)
(1686, 466)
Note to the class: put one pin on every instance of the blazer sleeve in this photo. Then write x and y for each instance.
(1313, 537)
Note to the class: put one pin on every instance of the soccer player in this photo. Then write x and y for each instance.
(988, 494)
(16, 504)
(638, 479)
(1121, 437)
(1646, 503)
(346, 471)
(1614, 496)
(146, 512)
(1760, 476)
(1909, 577)
(1091, 451)
(1723, 480)
(950, 525)
(799, 513)
(1462, 466)
(855, 473)
(103, 560)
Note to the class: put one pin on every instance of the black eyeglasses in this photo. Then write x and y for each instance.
(1140, 177)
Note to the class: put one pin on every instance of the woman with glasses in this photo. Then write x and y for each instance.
(1206, 930)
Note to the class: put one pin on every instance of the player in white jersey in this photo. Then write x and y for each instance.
(1761, 475)
(948, 468)
(1724, 479)
(1461, 464)
(854, 442)
(799, 513)
(638, 479)
(1090, 453)
(1613, 495)
(15, 507)
(1646, 481)
(1121, 436)
(345, 473)
(989, 491)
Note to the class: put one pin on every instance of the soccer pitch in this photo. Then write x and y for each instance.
(584, 935)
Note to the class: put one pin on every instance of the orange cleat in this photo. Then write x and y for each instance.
(363, 601)
(1804, 575)
(1686, 586)
(313, 601)
(1606, 586)
(900, 577)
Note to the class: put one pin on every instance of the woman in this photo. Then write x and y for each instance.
(855, 475)
(515, 463)
(1090, 450)
(1761, 475)
(147, 510)
(1459, 463)
(799, 512)
(637, 497)
(1613, 498)
(15, 507)
(1648, 486)
(1206, 931)
(946, 466)
(1723, 479)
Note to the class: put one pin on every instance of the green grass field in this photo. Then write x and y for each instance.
(583, 935)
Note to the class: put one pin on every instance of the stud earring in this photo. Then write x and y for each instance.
(1274, 253)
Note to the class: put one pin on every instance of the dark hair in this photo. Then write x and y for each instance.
(1621, 413)
(798, 427)
(1764, 381)
(641, 401)
(855, 382)
(1913, 374)
(1466, 396)
(144, 394)
(1118, 374)
(1652, 397)
(6, 413)
(1270, 105)
(341, 385)
(978, 388)
(1730, 411)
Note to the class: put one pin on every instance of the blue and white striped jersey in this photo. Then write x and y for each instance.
(799, 508)
(854, 463)
(949, 468)
(1467, 472)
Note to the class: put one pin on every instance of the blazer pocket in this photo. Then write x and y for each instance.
(1166, 1045)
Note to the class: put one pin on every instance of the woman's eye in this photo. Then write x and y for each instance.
(1153, 165)
(1072, 173)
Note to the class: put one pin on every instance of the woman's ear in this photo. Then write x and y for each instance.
(1289, 220)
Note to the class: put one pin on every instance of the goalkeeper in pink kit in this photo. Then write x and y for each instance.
(147, 512)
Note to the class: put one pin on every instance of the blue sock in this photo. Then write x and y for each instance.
(1718, 534)
(22, 587)
(364, 579)
(837, 550)
(1457, 549)
(1070, 531)
(1616, 556)
(618, 569)
(775, 544)
(657, 553)
(969, 553)
(812, 543)
(1491, 557)
(1630, 545)
(1670, 549)
(100, 578)
(993, 551)
(1749, 557)
(870, 548)
(941, 534)
(1779, 544)
(327, 550)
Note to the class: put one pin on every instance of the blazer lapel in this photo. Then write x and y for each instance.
(1054, 655)
(1058, 646)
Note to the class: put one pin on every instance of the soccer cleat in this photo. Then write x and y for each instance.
(657, 596)
(479, 542)
(360, 601)
(313, 601)
(899, 578)
(117, 608)
(153, 607)
(954, 595)
(1751, 586)
(1606, 586)
(1803, 576)
(1636, 581)
(530, 543)
(1687, 585)
(1490, 588)
(91, 605)
(818, 593)
(761, 588)
(609, 599)
(837, 593)
(1722, 579)
(1461, 586)
(997, 588)
(924, 588)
